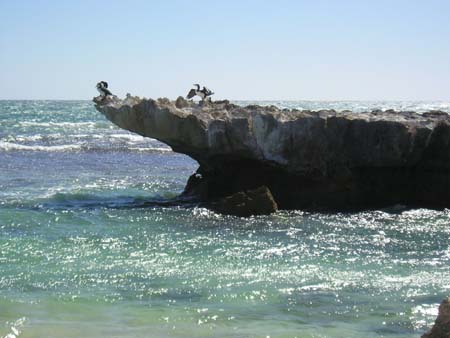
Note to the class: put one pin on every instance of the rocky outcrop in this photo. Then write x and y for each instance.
(441, 328)
(258, 201)
(307, 159)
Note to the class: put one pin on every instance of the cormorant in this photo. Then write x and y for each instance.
(102, 88)
(204, 93)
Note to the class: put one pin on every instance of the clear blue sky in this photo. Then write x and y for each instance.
(314, 50)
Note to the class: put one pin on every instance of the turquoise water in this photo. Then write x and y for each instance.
(85, 251)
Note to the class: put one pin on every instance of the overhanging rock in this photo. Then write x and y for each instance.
(307, 159)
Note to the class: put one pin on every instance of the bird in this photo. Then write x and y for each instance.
(204, 93)
(102, 88)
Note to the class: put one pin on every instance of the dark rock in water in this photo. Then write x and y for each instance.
(258, 201)
(441, 328)
(307, 159)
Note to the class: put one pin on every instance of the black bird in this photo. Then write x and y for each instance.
(102, 88)
(203, 93)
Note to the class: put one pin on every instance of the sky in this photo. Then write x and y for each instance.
(248, 50)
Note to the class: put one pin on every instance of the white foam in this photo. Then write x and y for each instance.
(11, 146)
(154, 149)
(131, 137)
(16, 327)
(8, 146)
(57, 124)
(36, 137)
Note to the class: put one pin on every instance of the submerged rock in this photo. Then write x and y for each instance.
(441, 328)
(307, 159)
(258, 201)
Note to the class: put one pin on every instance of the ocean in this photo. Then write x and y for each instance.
(86, 251)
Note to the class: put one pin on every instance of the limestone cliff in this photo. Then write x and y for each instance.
(308, 159)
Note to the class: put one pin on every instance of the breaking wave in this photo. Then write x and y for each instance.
(11, 146)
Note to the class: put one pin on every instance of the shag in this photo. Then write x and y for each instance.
(204, 93)
(102, 88)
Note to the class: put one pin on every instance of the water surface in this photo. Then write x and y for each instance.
(81, 257)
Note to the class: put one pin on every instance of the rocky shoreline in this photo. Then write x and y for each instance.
(311, 160)
(441, 327)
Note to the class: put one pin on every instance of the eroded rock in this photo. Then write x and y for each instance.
(307, 159)
(441, 328)
(258, 201)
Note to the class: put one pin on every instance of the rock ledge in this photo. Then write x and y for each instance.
(307, 159)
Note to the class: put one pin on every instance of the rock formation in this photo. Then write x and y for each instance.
(307, 159)
(258, 201)
(441, 328)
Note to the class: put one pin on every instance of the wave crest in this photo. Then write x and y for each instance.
(11, 146)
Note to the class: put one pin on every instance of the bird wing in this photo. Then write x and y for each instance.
(191, 94)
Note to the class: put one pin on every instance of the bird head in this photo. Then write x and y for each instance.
(102, 84)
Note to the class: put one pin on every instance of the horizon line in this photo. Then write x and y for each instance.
(262, 100)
